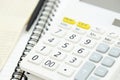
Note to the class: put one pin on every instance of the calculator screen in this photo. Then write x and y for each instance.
(113, 5)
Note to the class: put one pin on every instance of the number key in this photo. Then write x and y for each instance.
(65, 45)
(50, 40)
(80, 51)
(35, 58)
(50, 64)
(59, 32)
(73, 37)
(88, 42)
(57, 54)
(43, 49)
(74, 61)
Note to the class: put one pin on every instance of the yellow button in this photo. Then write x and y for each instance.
(83, 25)
(68, 20)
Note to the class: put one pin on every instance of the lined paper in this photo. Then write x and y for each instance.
(14, 15)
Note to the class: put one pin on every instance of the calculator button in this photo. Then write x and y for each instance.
(112, 35)
(50, 40)
(95, 57)
(68, 20)
(94, 35)
(35, 58)
(107, 61)
(59, 32)
(65, 26)
(80, 51)
(101, 71)
(103, 48)
(66, 70)
(93, 78)
(108, 40)
(88, 42)
(50, 64)
(114, 52)
(73, 37)
(73, 61)
(58, 55)
(85, 71)
(117, 44)
(65, 45)
(43, 49)
(98, 30)
(83, 25)
(119, 37)
(79, 30)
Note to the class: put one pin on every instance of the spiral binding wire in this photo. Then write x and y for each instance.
(42, 25)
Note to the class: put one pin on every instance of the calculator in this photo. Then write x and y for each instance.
(75, 50)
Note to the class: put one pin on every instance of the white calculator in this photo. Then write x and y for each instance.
(75, 51)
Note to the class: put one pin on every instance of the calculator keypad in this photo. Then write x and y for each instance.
(65, 50)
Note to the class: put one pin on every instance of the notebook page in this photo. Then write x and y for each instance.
(14, 14)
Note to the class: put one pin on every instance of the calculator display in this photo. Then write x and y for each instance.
(113, 5)
(116, 22)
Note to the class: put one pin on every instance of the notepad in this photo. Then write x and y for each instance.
(14, 15)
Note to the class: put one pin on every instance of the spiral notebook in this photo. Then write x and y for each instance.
(71, 12)
(41, 25)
